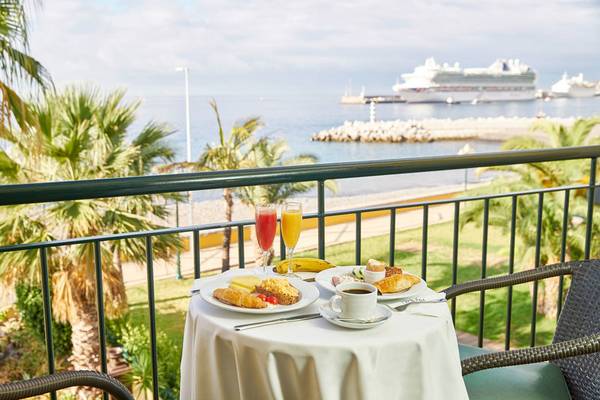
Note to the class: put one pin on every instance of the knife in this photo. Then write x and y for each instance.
(302, 317)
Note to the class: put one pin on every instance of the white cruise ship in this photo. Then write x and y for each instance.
(573, 86)
(504, 80)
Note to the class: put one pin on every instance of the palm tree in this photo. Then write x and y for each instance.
(16, 65)
(271, 153)
(231, 152)
(80, 134)
(543, 175)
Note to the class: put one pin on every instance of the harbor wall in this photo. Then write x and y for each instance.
(433, 129)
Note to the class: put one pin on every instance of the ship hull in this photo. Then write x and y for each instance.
(575, 91)
(454, 96)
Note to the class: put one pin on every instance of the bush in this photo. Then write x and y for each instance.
(31, 310)
(135, 340)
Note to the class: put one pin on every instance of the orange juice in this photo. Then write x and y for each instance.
(291, 223)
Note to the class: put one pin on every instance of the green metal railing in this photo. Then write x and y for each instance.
(132, 186)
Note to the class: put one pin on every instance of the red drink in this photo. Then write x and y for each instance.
(266, 225)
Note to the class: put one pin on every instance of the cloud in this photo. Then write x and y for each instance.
(311, 45)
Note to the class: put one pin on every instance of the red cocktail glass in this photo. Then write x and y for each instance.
(266, 226)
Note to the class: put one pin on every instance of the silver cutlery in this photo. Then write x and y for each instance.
(302, 317)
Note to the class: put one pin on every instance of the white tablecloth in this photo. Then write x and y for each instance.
(409, 357)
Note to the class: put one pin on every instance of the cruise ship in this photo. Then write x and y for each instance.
(574, 86)
(504, 80)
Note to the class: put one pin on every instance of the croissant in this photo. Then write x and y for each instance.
(396, 283)
(238, 298)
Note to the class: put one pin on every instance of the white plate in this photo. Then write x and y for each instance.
(332, 316)
(308, 295)
(323, 279)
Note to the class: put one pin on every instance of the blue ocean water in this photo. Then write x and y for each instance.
(296, 118)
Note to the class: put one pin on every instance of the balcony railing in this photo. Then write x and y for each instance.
(91, 189)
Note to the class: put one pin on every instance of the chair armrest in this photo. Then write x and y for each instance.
(547, 271)
(570, 348)
(63, 380)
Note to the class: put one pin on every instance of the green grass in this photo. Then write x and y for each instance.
(172, 296)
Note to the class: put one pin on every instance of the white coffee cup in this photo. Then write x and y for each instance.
(350, 303)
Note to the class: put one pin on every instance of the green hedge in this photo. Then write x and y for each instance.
(31, 310)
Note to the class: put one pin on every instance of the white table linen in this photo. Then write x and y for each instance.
(411, 356)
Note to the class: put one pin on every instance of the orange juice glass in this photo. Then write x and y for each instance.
(291, 225)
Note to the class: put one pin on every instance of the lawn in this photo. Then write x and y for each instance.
(172, 295)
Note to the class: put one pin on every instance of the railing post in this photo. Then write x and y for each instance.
(424, 239)
(538, 244)
(47, 314)
(196, 249)
(321, 215)
(511, 268)
(357, 245)
(563, 251)
(241, 257)
(392, 255)
(486, 217)
(152, 312)
(100, 308)
(590, 208)
(455, 239)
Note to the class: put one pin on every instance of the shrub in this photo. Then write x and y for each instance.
(31, 310)
(135, 340)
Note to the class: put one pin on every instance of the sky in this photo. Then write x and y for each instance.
(303, 47)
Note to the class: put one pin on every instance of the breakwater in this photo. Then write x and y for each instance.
(433, 129)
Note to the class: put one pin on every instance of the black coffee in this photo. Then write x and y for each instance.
(357, 291)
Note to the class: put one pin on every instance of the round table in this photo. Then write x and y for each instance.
(412, 356)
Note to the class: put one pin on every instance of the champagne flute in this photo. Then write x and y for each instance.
(266, 225)
(291, 225)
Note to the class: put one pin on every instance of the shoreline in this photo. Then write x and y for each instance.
(434, 129)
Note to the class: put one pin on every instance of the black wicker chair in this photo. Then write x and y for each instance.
(568, 368)
(63, 380)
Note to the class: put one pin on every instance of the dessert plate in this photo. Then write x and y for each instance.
(381, 315)
(308, 295)
(323, 279)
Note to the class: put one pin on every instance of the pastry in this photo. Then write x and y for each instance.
(376, 266)
(238, 298)
(285, 293)
(396, 283)
(389, 271)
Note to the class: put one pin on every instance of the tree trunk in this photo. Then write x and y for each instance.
(86, 347)
(119, 263)
(228, 196)
(548, 297)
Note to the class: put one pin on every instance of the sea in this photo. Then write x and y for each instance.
(296, 117)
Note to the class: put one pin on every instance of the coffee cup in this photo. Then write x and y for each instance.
(355, 300)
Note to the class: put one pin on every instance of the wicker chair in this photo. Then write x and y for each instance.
(573, 370)
(63, 380)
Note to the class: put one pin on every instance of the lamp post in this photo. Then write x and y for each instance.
(466, 149)
(188, 158)
(188, 135)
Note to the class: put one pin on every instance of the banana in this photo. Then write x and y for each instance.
(303, 265)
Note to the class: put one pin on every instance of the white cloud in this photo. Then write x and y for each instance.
(244, 45)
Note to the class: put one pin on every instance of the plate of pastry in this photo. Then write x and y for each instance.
(259, 294)
(392, 282)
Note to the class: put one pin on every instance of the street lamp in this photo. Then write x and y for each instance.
(188, 135)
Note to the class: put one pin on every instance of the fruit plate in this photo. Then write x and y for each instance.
(323, 279)
(308, 295)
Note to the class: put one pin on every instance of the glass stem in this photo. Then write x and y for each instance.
(265, 261)
(290, 269)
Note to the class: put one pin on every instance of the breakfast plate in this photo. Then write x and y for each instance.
(324, 278)
(380, 316)
(308, 294)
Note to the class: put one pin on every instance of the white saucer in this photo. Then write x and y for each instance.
(332, 316)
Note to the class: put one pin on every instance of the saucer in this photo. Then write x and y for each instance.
(381, 311)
